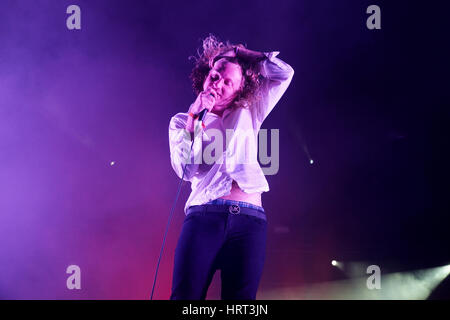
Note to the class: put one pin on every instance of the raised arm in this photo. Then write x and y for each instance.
(277, 76)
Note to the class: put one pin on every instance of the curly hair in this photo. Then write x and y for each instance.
(212, 49)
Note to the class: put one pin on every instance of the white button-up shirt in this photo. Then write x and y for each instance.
(227, 149)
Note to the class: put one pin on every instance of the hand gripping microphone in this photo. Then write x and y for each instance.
(203, 113)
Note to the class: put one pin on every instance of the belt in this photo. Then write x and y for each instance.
(233, 209)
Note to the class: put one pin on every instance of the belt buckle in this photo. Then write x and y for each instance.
(234, 209)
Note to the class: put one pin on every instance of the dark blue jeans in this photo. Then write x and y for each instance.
(233, 243)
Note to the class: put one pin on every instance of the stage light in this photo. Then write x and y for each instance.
(311, 161)
(446, 269)
(112, 163)
(405, 285)
(337, 264)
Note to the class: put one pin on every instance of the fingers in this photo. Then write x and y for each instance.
(229, 53)
(205, 100)
(208, 100)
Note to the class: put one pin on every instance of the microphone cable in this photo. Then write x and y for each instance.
(201, 115)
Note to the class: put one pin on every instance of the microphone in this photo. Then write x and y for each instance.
(202, 113)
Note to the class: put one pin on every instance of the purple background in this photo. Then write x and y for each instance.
(361, 105)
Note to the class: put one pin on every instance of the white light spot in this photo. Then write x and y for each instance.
(112, 163)
(311, 161)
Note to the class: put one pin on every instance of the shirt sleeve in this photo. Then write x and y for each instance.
(180, 142)
(277, 77)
